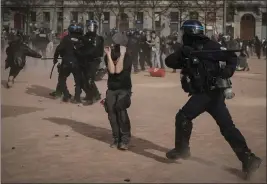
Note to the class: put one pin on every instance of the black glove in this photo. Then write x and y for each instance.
(55, 61)
(186, 50)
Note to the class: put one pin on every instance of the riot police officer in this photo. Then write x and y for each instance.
(67, 49)
(201, 81)
(92, 51)
(133, 48)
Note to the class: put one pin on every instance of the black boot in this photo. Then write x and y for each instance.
(66, 98)
(76, 100)
(250, 164)
(183, 129)
(88, 102)
(175, 153)
(55, 94)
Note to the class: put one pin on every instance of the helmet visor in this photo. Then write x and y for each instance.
(192, 29)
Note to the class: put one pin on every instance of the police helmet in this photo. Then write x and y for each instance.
(75, 28)
(192, 28)
(113, 31)
(92, 26)
(130, 32)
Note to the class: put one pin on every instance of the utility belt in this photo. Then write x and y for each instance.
(195, 84)
(192, 84)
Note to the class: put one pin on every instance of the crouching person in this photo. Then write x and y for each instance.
(118, 95)
(16, 58)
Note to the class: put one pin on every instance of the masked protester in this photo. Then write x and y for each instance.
(118, 95)
(16, 58)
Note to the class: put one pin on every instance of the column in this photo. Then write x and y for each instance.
(147, 21)
(66, 18)
(112, 20)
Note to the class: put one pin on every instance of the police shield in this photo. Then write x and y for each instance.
(120, 38)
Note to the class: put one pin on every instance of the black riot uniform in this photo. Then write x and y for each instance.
(16, 57)
(67, 49)
(202, 81)
(133, 48)
(91, 53)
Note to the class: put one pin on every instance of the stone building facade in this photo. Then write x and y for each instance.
(167, 15)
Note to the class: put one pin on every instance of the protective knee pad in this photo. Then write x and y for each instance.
(228, 132)
(183, 123)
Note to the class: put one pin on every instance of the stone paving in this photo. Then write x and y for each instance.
(45, 140)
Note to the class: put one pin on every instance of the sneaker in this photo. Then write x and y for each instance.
(114, 144)
(175, 154)
(251, 164)
(124, 146)
(9, 84)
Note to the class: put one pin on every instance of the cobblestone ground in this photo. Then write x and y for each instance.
(45, 140)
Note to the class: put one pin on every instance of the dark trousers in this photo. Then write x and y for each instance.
(64, 73)
(14, 71)
(162, 64)
(214, 104)
(116, 105)
(89, 74)
(258, 52)
(134, 57)
(145, 57)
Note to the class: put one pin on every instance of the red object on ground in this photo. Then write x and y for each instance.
(157, 72)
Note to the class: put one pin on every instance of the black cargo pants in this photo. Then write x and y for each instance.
(89, 73)
(14, 71)
(144, 57)
(134, 57)
(64, 73)
(214, 104)
(116, 105)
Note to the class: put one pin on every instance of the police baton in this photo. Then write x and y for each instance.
(49, 58)
(212, 51)
(51, 73)
(52, 70)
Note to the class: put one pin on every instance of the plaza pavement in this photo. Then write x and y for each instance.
(45, 140)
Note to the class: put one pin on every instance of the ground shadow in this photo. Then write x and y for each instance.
(104, 135)
(13, 111)
(235, 172)
(40, 91)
